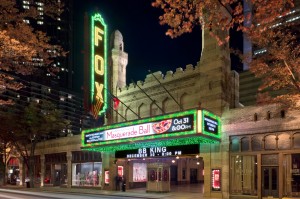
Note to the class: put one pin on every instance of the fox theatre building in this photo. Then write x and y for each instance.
(153, 137)
(156, 152)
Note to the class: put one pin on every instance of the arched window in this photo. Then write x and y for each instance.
(169, 105)
(210, 85)
(235, 144)
(255, 117)
(142, 111)
(268, 115)
(296, 141)
(184, 102)
(270, 142)
(154, 110)
(282, 113)
(256, 143)
(284, 141)
(245, 144)
(129, 115)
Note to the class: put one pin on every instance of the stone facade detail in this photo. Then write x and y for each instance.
(119, 60)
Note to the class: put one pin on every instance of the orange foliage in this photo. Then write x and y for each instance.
(266, 27)
(20, 43)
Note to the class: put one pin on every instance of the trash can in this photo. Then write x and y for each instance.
(28, 184)
(124, 187)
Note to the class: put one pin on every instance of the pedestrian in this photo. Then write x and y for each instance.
(120, 182)
(123, 184)
(117, 182)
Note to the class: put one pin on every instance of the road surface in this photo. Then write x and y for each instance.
(16, 194)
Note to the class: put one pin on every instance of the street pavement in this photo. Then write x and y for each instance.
(192, 191)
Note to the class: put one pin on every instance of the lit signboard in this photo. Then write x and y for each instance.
(98, 65)
(164, 151)
(209, 124)
(216, 179)
(180, 128)
(170, 125)
(106, 177)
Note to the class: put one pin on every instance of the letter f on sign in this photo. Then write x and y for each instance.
(98, 37)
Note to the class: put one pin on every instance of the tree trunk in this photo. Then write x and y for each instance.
(32, 164)
(2, 172)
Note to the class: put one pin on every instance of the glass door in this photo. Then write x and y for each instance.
(270, 181)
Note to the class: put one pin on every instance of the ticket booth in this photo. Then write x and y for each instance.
(158, 177)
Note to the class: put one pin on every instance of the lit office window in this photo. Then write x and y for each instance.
(293, 19)
(40, 22)
(25, 7)
(39, 3)
(26, 21)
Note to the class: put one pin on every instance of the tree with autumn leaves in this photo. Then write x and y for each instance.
(269, 26)
(26, 50)
(24, 127)
(21, 44)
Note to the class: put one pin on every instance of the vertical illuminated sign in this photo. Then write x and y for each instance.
(106, 177)
(208, 124)
(98, 65)
(216, 179)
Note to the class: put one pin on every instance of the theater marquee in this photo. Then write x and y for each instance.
(181, 128)
(170, 125)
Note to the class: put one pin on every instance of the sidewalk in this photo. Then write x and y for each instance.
(175, 193)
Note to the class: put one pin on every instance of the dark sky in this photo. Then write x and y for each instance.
(144, 38)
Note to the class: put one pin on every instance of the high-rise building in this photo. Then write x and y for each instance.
(248, 82)
(59, 30)
(292, 17)
(57, 89)
(68, 102)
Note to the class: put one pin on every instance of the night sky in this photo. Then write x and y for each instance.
(144, 38)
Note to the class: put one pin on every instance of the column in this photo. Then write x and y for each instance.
(205, 153)
(225, 167)
(259, 175)
(69, 169)
(109, 165)
(42, 157)
(22, 173)
(188, 171)
(280, 175)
